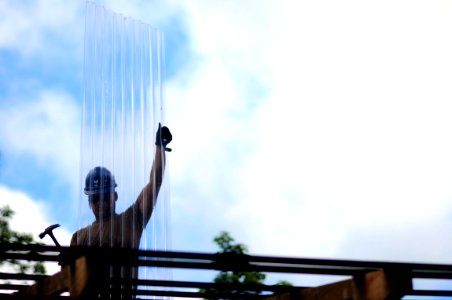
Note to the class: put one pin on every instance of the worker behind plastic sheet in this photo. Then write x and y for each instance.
(123, 230)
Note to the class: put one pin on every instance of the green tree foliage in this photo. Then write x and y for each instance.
(7, 235)
(227, 246)
(236, 254)
(232, 250)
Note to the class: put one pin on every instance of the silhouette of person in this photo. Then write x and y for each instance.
(110, 229)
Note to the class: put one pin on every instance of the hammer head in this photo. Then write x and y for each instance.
(48, 230)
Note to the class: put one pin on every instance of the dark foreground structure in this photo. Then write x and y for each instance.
(83, 274)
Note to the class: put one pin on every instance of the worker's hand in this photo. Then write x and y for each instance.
(163, 137)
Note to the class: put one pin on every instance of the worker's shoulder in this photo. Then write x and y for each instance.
(81, 231)
(88, 228)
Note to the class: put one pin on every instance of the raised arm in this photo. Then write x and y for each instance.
(147, 198)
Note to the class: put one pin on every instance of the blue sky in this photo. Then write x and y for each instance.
(309, 129)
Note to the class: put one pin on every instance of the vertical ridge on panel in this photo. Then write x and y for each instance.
(86, 95)
(100, 87)
(123, 122)
(142, 146)
(132, 113)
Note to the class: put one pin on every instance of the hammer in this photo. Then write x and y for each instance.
(48, 231)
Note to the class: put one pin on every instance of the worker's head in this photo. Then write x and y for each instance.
(100, 187)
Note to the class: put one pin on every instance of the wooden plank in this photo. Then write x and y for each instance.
(341, 290)
(84, 277)
(49, 286)
(285, 296)
(376, 285)
(383, 284)
(77, 278)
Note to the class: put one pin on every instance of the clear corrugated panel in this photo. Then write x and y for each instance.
(122, 108)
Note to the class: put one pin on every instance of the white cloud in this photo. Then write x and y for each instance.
(32, 217)
(32, 27)
(350, 135)
(46, 128)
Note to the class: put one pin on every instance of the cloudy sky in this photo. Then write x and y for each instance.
(304, 128)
